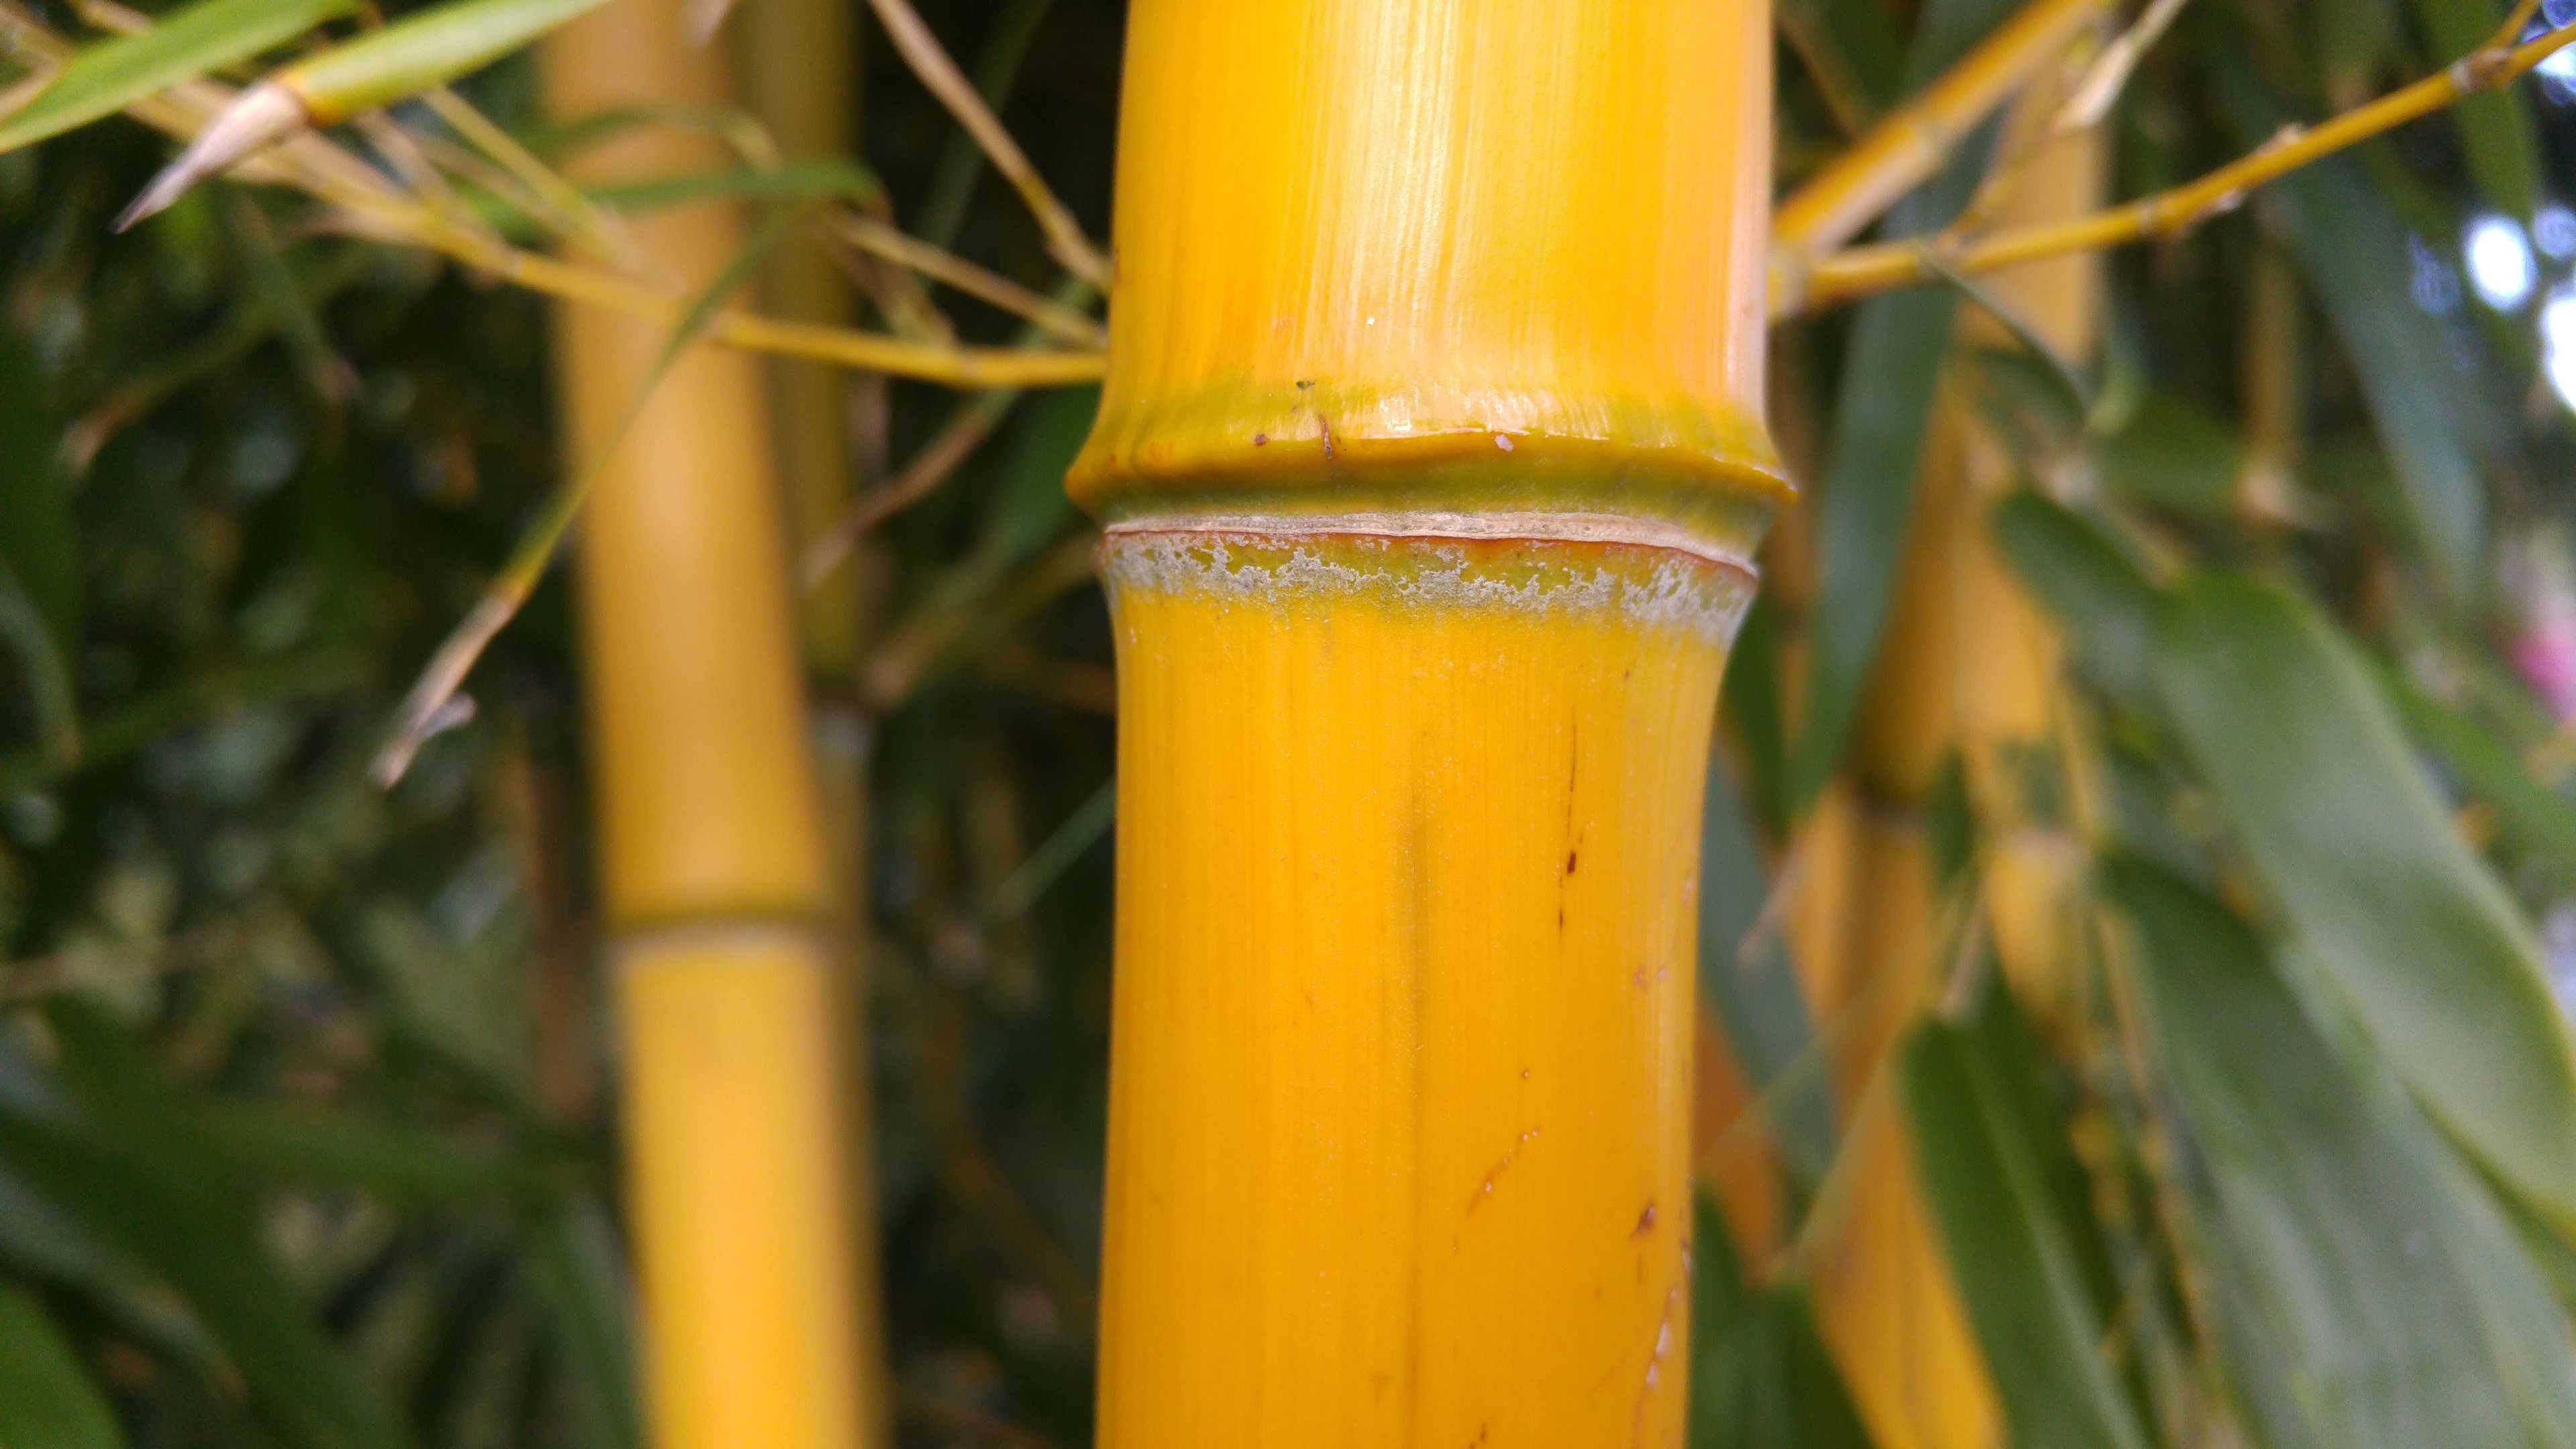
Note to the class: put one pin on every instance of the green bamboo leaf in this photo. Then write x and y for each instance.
(39, 1243)
(1880, 419)
(1029, 508)
(1756, 718)
(40, 566)
(2537, 818)
(2352, 249)
(2379, 1300)
(2019, 1263)
(1090, 822)
(1881, 412)
(2172, 455)
(580, 1277)
(46, 1401)
(997, 69)
(192, 41)
(399, 1164)
(818, 180)
(2495, 128)
(115, 1156)
(47, 677)
(2355, 41)
(2417, 937)
(421, 50)
(2102, 600)
(1744, 972)
(127, 728)
(1760, 1376)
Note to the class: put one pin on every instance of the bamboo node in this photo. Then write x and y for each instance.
(1544, 566)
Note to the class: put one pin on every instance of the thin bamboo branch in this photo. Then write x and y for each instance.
(922, 51)
(2514, 20)
(2109, 73)
(967, 427)
(879, 239)
(1912, 141)
(965, 430)
(558, 202)
(313, 164)
(1860, 271)
(964, 367)
(952, 185)
(434, 704)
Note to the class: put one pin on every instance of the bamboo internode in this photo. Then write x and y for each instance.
(1441, 256)
(713, 856)
(1401, 1056)
(1430, 454)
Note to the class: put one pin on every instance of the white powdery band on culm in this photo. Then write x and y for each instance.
(1523, 562)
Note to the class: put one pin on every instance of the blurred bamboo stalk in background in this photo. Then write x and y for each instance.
(715, 863)
(1969, 667)
(797, 65)
(1430, 460)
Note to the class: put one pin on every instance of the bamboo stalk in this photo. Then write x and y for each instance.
(713, 856)
(1430, 457)
(798, 64)
(1866, 935)
(799, 73)
(1971, 666)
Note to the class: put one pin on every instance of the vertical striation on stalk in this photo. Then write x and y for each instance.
(713, 853)
(1429, 460)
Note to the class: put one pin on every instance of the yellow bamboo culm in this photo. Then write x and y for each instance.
(796, 63)
(1968, 665)
(712, 849)
(1429, 458)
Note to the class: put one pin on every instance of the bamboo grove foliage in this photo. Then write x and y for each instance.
(2138, 863)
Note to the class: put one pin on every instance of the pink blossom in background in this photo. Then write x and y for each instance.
(2544, 654)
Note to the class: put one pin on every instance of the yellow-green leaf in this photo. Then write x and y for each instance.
(422, 50)
(193, 41)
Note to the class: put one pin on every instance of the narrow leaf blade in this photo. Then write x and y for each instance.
(421, 50)
(2352, 250)
(46, 1401)
(2495, 129)
(2416, 936)
(2092, 589)
(193, 41)
(2379, 1300)
(2017, 1269)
